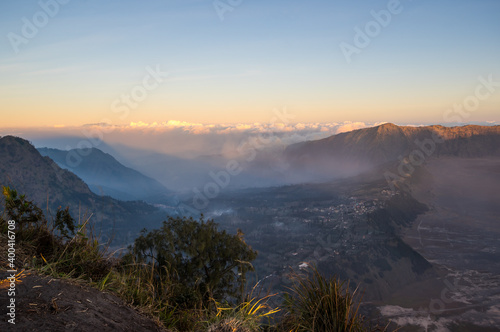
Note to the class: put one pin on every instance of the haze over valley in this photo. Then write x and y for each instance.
(246, 166)
(347, 203)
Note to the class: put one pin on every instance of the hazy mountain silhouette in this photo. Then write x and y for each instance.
(106, 176)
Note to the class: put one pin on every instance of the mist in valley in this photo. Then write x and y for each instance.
(303, 195)
(185, 157)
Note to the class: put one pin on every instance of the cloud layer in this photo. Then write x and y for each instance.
(257, 127)
(186, 139)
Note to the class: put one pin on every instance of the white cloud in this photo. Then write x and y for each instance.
(350, 126)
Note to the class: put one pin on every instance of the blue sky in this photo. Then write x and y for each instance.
(263, 55)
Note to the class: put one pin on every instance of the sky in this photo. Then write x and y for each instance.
(67, 63)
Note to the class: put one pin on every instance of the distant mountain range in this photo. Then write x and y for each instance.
(360, 150)
(106, 176)
(51, 181)
(439, 224)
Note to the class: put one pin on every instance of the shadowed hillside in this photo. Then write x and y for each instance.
(359, 150)
(49, 186)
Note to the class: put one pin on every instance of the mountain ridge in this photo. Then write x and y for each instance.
(24, 169)
(356, 151)
(107, 176)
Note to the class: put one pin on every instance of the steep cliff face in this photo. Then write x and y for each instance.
(24, 169)
(44, 182)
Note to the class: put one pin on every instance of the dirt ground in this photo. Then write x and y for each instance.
(47, 304)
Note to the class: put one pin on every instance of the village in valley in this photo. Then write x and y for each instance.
(294, 227)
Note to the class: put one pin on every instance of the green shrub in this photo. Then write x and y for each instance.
(26, 214)
(181, 274)
(316, 303)
(202, 262)
(58, 247)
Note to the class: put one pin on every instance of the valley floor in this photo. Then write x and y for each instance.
(461, 235)
(338, 226)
